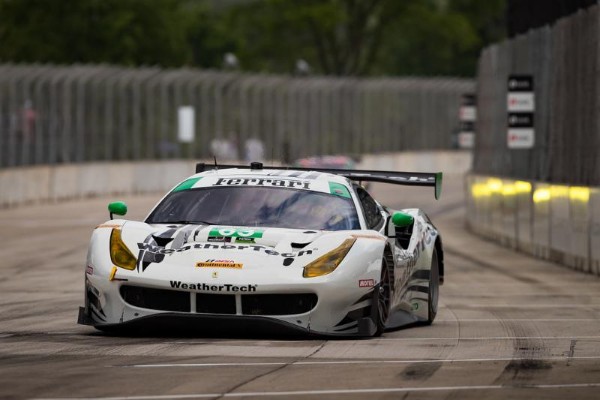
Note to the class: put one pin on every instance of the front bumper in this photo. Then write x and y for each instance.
(182, 324)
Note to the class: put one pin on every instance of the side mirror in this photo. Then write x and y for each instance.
(117, 207)
(402, 220)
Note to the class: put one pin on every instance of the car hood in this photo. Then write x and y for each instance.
(217, 246)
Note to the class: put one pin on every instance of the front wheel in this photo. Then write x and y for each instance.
(383, 298)
(434, 288)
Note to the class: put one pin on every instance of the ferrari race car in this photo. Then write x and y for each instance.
(244, 248)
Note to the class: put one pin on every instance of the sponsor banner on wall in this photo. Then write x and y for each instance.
(186, 119)
(520, 105)
(466, 140)
(467, 117)
(521, 138)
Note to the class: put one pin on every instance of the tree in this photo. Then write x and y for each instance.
(336, 37)
(128, 32)
(429, 40)
(339, 37)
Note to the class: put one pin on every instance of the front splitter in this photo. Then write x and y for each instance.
(181, 324)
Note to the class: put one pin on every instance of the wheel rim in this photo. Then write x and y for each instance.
(384, 296)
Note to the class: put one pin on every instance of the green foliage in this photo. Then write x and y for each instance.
(428, 40)
(129, 32)
(337, 37)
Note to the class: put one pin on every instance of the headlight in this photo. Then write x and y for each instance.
(119, 253)
(327, 263)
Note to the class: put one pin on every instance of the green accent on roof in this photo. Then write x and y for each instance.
(187, 184)
(339, 190)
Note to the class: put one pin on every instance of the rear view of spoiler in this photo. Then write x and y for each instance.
(392, 177)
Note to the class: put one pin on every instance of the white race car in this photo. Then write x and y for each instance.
(247, 248)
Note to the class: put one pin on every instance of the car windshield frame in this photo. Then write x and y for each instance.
(292, 209)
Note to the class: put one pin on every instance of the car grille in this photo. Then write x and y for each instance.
(156, 299)
(215, 303)
(278, 304)
(252, 304)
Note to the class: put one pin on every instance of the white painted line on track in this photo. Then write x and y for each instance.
(520, 319)
(352, 362)
(522, 306)
(333, 391)
(495, 338)
(407, 339)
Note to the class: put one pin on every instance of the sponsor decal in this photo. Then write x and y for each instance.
(366, 283)
(209, 246)
(235, 232)
(157, 246)
(245, 240)
(285, 183)
(221, 239)
(219, 264)
(205, 287)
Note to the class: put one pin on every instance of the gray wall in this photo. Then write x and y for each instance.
(544, 201)
(103, 113)
(560, 223)
(563, 60)
(45, 183)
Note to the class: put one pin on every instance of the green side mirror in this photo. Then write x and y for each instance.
(402, 220)
(117, 207)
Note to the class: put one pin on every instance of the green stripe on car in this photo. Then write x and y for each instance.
(339, 190)
(187, 184)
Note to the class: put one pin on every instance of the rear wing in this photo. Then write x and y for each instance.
(393, 177)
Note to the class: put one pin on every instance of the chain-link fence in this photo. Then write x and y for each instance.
(52, 114)
(563, 60)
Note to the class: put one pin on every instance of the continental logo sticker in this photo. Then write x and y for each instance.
(219, 264)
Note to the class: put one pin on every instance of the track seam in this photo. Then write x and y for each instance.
(225, 394)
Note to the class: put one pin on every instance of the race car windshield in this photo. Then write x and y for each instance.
(257, 206)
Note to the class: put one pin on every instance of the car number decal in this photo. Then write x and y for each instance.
(236, 233)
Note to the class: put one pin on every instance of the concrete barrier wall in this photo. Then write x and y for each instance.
(29, 185)
(450, 161)
(555, 222)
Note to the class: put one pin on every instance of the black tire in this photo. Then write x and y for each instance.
(434, 288)
(383, 298)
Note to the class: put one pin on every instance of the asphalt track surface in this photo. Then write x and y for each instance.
(509, 327)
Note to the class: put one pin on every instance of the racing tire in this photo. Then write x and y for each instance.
(434, 288)
(383, 298)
